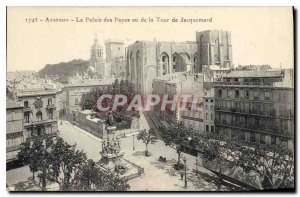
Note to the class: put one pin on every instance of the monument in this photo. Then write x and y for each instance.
(111, 155)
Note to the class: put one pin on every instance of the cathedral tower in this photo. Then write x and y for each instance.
(96, 63)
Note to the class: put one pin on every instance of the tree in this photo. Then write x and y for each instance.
(178, 137)
(64, 69)
(36, 152)
(56, 161)
(108, 181)
(93, 179)
(66, 164)
(274, 164)
(88, 176)
(147, 137)
(123, 87)
(222, 152)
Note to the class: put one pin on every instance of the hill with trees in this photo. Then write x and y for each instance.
(64, 69)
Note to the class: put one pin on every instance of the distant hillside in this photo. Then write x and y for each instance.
(64, 69)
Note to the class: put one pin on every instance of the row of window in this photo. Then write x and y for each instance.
(212, 128)
(243, 94)
(39, 116)
(247, 107)
(209, 117)
(26, 103)
(14, 135)
(211, 107)
(253, 137)
(207, 100)
(260, 108)
(281, 125)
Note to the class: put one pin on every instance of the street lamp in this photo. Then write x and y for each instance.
(133, 148)
(185, 180)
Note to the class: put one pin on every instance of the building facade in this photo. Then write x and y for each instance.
(115, 57)
(208, 113)
(113, 49)
(39, 110)
(180, 83)
(256, 107)
(75, 91)
(14, 128)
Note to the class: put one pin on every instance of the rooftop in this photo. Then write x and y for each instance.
(170, 77)
(216, 67)
(36, 92)
(113, 41)
(84, 83)
(254, 74)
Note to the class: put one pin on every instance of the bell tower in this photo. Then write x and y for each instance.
(96, 63)
(96, 49)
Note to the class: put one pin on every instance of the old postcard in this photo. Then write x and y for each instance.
(150, 99)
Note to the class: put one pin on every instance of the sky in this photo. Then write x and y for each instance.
(260, 35)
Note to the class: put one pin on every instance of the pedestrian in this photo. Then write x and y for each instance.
(181, 175)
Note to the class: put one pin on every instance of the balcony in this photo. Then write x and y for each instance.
(268, 130)
(39, 122)
(27, 109)
(233, 109)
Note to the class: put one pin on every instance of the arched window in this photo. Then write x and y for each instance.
(50, 114)
(26, 104)
(174, 62)
(131, 59)
(138, 69)
(39, 116)
(164, 63)
(49, 101)
(138, 64)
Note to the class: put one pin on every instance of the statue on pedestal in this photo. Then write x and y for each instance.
(110, 147)
(110, 121)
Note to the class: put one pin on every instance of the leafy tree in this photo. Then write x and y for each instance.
(66, 164)
(274, 164)
(36, 152)
(88, 176)
(124, 87)
(56, 161)
(147, 137)
(93, 179)
(178, 137)
(222, 152)
(122, 117)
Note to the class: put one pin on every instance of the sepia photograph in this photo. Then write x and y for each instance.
(169, 99)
